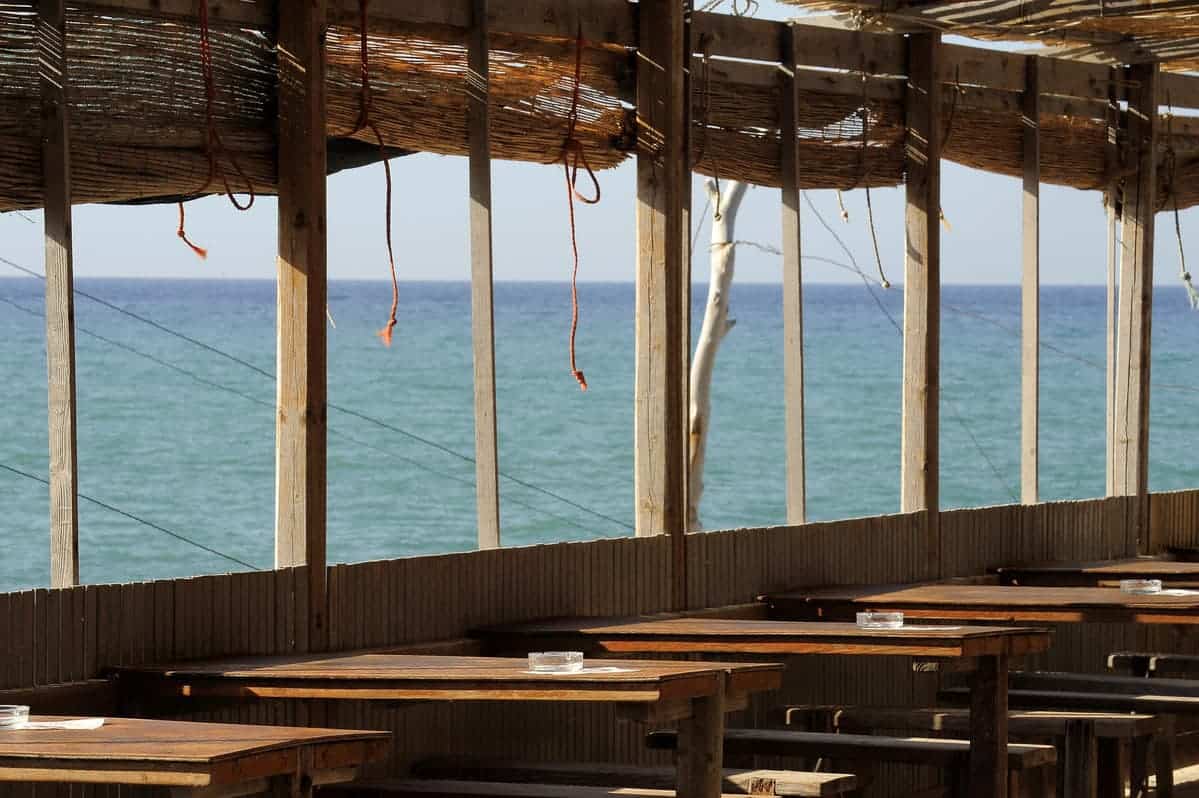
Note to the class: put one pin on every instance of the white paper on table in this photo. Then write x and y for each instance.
(1177, 592)
(84, 724)
(583, 672)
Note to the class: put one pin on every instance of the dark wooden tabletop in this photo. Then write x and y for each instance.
(1003, 603)
(737, 636)
(402, 677)
(177, 753)
(1090, 573)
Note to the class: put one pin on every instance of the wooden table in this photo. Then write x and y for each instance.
(208, 760)
(692, 693)
(987, 648)
(990, 603)
(1100, 573)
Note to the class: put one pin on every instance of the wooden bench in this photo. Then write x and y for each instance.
(465, 788)
(1143, 664)
(1090, 744)
(736, 782)
(951, 756)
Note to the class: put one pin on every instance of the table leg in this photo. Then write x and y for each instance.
(1079, 767)
(1163, 764)
(988, 728)
(1111, 772)
(700, 754)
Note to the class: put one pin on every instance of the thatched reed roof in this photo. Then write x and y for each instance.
(137, 116)
(1103, 31)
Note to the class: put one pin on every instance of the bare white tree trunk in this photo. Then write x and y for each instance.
(725, 203)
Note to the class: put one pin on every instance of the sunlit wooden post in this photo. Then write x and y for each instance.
(922, 291)
(487, 489)
(1030, 370)
(793, 368)
(300, 465)
(60, 297)
(663, 300)
(1134, 331)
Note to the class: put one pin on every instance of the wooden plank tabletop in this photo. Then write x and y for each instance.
(739, 636)
(1005, 603)
(401, 677)
(177, 753)
(1091, 573)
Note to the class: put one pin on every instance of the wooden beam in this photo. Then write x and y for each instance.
(922, 290)
(793, 363)
(1136, 296)
(300, 450)
(60, 294)
(487, 487)
(663, 281)
(1030, 371)
(1113, 166)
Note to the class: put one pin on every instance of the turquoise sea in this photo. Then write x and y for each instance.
(183, 437)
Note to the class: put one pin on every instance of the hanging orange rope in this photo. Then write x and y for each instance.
(364, 122)
(214, 146)
(182, 233)
(573, 156)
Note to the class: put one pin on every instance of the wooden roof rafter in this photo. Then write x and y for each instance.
(1105, 31)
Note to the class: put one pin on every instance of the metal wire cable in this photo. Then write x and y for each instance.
(340, 408)
(139, 520)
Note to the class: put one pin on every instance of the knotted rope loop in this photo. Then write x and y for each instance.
(214, 145)
(574, 157)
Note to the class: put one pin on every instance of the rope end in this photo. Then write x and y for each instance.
(201, 253)
(385, 333)
(580, 379)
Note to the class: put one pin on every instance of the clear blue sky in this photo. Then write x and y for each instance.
(532, 241)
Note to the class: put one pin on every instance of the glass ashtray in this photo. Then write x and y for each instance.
(13, 716)
(1141, 587)
(556, 661)
(880, 620)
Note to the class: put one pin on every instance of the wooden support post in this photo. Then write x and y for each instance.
(487, 488)
(1113, 269)
(920, 461)
(1031, 281)
(60, 296)
(300, 464)
(663, 281)
(793, 368)
(1112, 165)
(700, 754)
(989, 729)
(1136, 298)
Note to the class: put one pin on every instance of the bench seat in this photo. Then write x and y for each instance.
(466, 788)
(944, 753)
(736, 782)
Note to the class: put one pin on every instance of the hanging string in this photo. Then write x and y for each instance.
(705, 110)
(573, 156)
(365, 105)
(1171, 170)
(958, 91)
(214, 145)
(864, 171)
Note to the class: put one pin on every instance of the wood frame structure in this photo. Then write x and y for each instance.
(793, 340)
(1030, 344)
(663, 301)
(301, 431)
(811, 59)
(920, 455)
(60, 294)
(1134, 335)
(487, 468)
